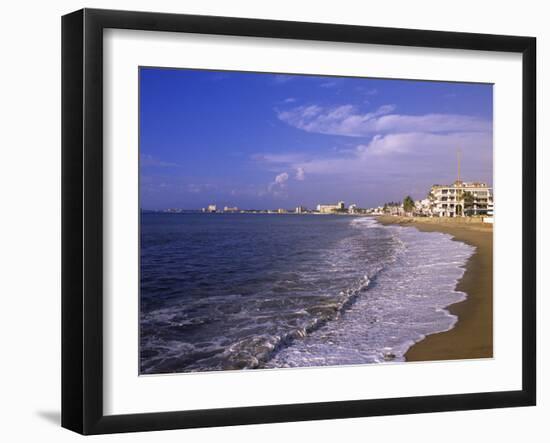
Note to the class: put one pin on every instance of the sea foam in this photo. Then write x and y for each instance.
(406, 302)
(293, 292)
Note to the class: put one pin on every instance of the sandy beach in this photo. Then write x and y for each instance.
(472, 336)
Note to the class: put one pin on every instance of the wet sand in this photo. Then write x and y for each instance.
(472, 336)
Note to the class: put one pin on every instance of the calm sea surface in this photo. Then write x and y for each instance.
(234, 291)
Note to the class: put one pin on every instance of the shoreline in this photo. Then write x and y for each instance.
(472, 335)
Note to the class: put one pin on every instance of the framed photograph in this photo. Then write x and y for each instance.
(268, 221)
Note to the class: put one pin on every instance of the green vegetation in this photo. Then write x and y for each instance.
(467, 202)
(408, 204)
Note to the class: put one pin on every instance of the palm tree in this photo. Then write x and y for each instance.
(467, 202)
(408, 204)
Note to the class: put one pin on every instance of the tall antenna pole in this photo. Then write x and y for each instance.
(458, 152)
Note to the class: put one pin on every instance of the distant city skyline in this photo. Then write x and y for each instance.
(264, 141)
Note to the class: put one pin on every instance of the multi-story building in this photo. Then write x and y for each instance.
(230, 209)
(460, 199)
(329, 209)
(211, 208)
(395, 210)
(423, 207)
(300, 210)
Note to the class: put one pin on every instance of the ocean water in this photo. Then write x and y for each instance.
(244, 291)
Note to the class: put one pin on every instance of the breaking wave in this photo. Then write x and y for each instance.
(295, 291)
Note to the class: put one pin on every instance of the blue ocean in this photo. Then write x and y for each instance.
(246, 291)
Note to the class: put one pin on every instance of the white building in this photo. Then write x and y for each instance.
(423, 207)
(460, 199)
(490, 206)
(211, 208)
(330, 208)
(395, 209)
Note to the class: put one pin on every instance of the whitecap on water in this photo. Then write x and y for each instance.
(405, 304)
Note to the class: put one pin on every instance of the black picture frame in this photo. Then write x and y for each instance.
(82, 219)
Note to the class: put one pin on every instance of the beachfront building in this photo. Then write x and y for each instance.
(331, 208)
(230, 209)
(460, 199)
(396, 210)
(210, 208)
(300, 210)
(379, 210)
(353, 209)
(423, 207)
(393, 208)
(490, 206)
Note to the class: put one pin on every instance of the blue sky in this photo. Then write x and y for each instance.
(256, 140)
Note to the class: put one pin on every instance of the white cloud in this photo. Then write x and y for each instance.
(397, 150)
(289, 100)
(279, 183)
(281, 178)
(406, 154)
(346, 120)
(426, 144)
